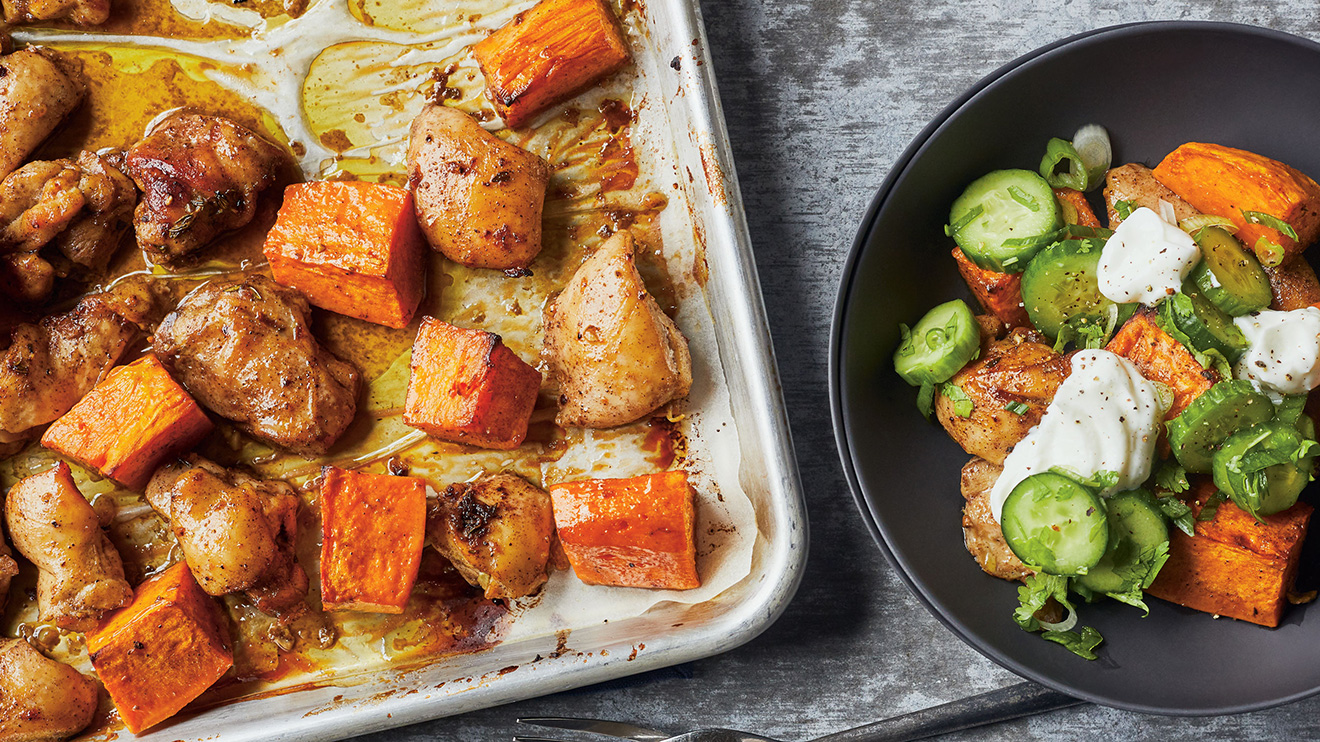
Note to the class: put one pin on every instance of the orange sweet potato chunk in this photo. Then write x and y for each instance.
(350, 247)
(999, 293)
(1225, 181)
(162, 650)
(467, 387)
(638, 532)
(1160, 357)
(548, 54)
(130, 422)
(373, 528)
(1071, 197)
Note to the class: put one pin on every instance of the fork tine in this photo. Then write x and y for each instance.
(598, 726)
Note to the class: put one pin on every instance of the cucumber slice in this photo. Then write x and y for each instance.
(1230, 276)
(1135, 524)
(939, 346)
(1204, 323)
(1004, 218)
(1052, 522)
(1256, 467)
(1060, 285)
(1212, 417)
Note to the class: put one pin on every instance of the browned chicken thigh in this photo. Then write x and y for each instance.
(981, 534)
(200, 177)
(41, 699)
(81, 575)
(616, 355)
(38, 88)
(237, 532)
(496, 531)
(8, 570)
(245, 350)
(81, 12)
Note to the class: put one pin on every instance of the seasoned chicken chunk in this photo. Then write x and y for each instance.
(81, 575)
(200, 177)
(982, 535)
(38, 88)
(41, 699)
(8, 570)
(237, 532)
(245, 350)
(1018, 368)
(478, 198)
(615, 354)
(496, 531)
(49, 366)
(81, 12)
(1136, 184)
(27, 277)
(1293, 284)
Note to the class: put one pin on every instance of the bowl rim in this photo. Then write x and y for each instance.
(847, 284)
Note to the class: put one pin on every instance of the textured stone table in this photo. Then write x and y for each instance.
(821, 96)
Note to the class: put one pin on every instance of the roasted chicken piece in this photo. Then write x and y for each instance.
(80, 12)
(1294, 284)
(616, 355)
(41, 699)
(200, 177)
(496, 531)
(1018, 368)
(245, 350)
(478, 198)
(982, 535)
(49, 366)
(81, 575)
(8, 569)
(1136, 184)
(237, 532)
(38, 88)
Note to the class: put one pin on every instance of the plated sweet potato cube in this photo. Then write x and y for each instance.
(1076, 208)
(638, 532)
(373, 529)
(999, 293)
(130, 422)
(350, 247)
(1225, 181)
(1235, 566)
(162, 650)
(467, 387)
(549, 54)
(1160, 357)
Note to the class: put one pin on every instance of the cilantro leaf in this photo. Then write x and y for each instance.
(1101, 480)
(1035, 592)
(1172, 477)
(1180, 513)
(1081, 643)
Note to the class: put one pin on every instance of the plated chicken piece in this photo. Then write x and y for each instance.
(200, 177)
(1136, 184)
(616, 355)
(981, 534)
(41, 699)
(80, 12)
(237, 532)
(49, 366)
(496, 531)
(81, 576)
(8, 569)
(38, 88)
(1018, 368)
(478, 198)
(245, 350)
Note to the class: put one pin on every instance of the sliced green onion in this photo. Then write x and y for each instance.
(1060, 154)
(1194, 224)
(1017, 408)
(1270, 253)
(1211, 507)
(1273, 222)
(1044, 239)
(962, 404)
(1023, 198)
(951, 230)
(1092, 145)
(1077, 232)
(1124, 208)
(926, 399)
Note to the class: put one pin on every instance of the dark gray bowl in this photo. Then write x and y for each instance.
(1154, 86)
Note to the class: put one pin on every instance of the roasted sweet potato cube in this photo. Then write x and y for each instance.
(549, 54)
(467, 387)
(130, 422)
(373, 527)
(350, 247)
(162, 650)
(999, 293)
(1225, 181)
(1160, 357)
(638, 532)
(1075, 207)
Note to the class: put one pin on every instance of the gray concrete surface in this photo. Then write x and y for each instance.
(821, 96)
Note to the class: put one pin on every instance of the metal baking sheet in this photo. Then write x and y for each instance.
(704, 208)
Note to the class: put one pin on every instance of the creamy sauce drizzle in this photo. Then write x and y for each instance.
(1104, 417)
(1146, 260)
(1284, 353)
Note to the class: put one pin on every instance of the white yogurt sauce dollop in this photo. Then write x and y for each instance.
(1284, 353)
(1104, 417)
(1146, 259)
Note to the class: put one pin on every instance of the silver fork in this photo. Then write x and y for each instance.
(1012, 702)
